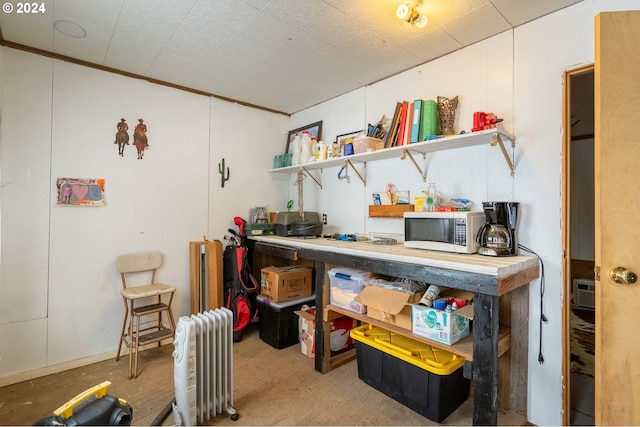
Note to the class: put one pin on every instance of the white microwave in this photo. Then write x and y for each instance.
(443, 231)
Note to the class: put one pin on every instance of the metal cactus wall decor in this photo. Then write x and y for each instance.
(222, 172)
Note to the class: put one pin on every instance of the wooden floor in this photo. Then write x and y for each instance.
(582, 400)
(582, 366)
(272, 387)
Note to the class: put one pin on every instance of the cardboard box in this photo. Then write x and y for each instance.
(280, 284)
(442, 326)
(388, 305)
(362, 144)
(340, 334)
(345, 285)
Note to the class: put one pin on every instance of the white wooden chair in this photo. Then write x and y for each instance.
(144, 304)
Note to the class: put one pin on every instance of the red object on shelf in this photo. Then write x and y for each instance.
(484, 121)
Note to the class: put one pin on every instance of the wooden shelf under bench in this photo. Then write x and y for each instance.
(463, 348)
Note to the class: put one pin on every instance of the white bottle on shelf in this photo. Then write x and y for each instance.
(323, 150)
(305, 143)
(295, 149)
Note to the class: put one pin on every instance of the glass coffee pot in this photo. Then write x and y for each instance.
(497, 236)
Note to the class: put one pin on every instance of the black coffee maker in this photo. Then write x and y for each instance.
(497, 237)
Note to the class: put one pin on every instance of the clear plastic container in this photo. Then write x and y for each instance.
(346, 284)
(432, 197)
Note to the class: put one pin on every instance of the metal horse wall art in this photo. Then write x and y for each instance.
(122, 137)
(140, 138)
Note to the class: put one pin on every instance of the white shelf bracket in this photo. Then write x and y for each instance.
(423, 174)
(498, 141)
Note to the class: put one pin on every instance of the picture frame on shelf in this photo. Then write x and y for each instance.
(315, 130)
(345, 138)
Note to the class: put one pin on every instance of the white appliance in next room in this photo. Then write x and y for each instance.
(584, 293)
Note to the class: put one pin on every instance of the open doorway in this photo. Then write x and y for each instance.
(579, 248)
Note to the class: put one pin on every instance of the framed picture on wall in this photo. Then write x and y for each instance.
(315, 129)
(80, 191)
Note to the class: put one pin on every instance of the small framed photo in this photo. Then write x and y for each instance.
(346, 138)
(315, 130)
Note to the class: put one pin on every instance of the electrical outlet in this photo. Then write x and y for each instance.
(324, 219)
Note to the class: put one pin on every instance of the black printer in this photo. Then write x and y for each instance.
(293, 224)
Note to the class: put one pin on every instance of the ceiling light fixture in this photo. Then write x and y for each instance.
(70, 29)
(410, 14)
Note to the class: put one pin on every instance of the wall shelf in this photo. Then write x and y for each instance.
(494, 137)
(389, 211)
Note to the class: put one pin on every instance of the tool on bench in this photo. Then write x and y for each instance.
(343, 237)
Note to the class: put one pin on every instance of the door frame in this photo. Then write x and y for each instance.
(566, 239)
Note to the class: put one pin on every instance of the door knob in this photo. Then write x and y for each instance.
(623, 276)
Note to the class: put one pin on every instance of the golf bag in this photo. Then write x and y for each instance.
(240, 288)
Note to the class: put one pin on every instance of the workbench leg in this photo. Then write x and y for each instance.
(320, 355)
(485, 359)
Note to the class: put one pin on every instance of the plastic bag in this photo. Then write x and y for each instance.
(403, 285)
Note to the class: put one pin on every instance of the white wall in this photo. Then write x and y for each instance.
(247, 139)
(518, 75)
(59, 119)
(490, 63)
(26, 142)
(59, 290)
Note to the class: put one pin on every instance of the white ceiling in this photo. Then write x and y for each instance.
(283, 55)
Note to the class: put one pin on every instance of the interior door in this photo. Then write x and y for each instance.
(617, 216)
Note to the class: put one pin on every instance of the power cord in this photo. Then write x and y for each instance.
(543, 318)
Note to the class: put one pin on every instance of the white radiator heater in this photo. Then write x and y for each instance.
(203, 367)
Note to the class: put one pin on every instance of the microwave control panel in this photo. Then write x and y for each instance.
(460, 232)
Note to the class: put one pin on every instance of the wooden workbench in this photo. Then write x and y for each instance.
(496, 351)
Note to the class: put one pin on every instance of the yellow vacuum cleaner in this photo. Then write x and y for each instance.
(91, 408)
